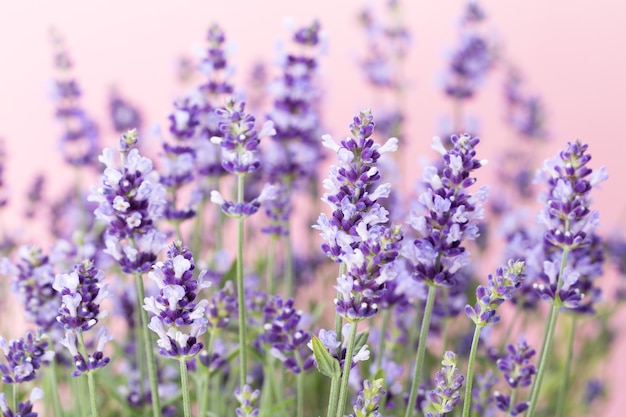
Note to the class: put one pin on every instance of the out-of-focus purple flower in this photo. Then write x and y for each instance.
(471, 59)
(278, 211)
(178, 318)
(221, 307)
(452, 214)
(34, 278)
(518, 373)
(594, 388)
(247, 398)
(295, 114)
(499, 288)
(79, 142)
(357, 232)
(482, 398)
(24, 357)
(282, 332)
(525, 114)
(124, 116)
(368, 399)
(34, 196)
(446, 394)
(24, 409)
(131, 200)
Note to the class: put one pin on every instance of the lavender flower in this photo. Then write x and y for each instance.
(499, 288)
(446, 396)
(33, 284)
(178, 319)
(283, 334)
(525, 114)
(79, 142)
(247, 398)
(130, 201)
(453, 214)
(124, 115)
(330, 342)
(239, 142)
(366, 404)
(24, 409)
(516, 365)
(482, 399)
(24, 357)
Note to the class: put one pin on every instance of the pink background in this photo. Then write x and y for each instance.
(572, 53)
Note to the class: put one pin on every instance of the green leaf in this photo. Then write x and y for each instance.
(361, 340)
(326, 364)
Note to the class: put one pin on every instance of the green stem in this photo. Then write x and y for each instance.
(184, 380)
(338, 319)
(299, 388)
(560, 407)
(289, 278)
(154, 384)
(381, 339)
(553, 316)
(345, 374)
(333, 398)
(56, 401)
(14, 397)
(240, 290)
(470, 373)
(77, 394)
(271, 280)
(421, 350)
(90, 379)
(204, 393)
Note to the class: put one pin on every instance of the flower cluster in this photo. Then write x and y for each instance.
(499, 288)
(24, 409)
(79, 142)
(130, 200)
(357, 232)
(453, 214)
(178, 318)
(33, 280)
(328, 338)
(525, 114)
(366, 404)
(282, 333)
(24, 357)
(448, 382)
(124, 115)
(239, 141)
(518, 373)
(247, 398)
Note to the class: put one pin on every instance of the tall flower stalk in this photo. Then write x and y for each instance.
(453, 214)
(569, 223)
(130, 201)
(357, 234)
(239, 141)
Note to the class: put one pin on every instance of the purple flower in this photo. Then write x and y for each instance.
(130, 200)
(525, 114)
(516, 366)
(177, 317)
(81, 294)
(24, 409)
(338, 349)
(446, 394)
(95, 360)
(124, 115)
(452, 214)
(247, 398)
(34, 278)
(500, 288)
(282, 332)
(24, 357)
(368, 399)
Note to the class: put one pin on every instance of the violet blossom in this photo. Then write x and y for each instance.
(24, 357)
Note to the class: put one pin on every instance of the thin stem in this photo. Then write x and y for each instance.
(338, 318)
(290, 286)
(154, 383)
(184, 380)
(333, 397)
(56, 401)
(547, 341)
(560, 405)
(421, 350)
(14, 385)
(381, 339)
(207, 378)
(271, 280)
(240, 289)
(345, 374)
(90, 379)
(470, 373)
(299, 388)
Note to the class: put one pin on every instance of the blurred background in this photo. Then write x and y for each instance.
(568, 54)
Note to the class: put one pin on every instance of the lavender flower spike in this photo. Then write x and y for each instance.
(247, 398)
(24, 409)
(446, 396)
(366, 404)
(24, 357)
(178, 319)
